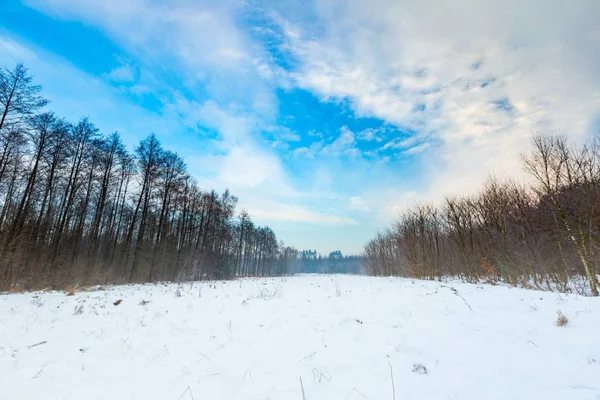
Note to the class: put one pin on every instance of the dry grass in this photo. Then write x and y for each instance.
(16, 288)
(70, 290)
(526, 285)
(562, 319)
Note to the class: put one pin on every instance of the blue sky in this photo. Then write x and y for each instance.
(326, 118)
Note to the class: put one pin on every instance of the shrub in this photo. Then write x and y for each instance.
(562, 319)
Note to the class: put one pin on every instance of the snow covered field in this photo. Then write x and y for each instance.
(331, 337)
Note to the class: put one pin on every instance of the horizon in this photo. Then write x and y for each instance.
(326, 121)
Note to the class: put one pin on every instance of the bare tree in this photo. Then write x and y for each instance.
(19, 98)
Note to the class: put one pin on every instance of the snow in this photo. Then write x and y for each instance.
(344, 337)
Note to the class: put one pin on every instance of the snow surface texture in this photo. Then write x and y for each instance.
(312, 337)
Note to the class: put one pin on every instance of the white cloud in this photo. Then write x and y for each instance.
(418, 149)
(358, 204)
(123, 73)
(195, 31)
(402, 142)
(200, 42)
(255, 174)
(343, 144)
(474, 84)
(246, 168)
(239, 162)
(285, 212)
(11, 52)
(370, 135)
(309, 151)
(282, 136)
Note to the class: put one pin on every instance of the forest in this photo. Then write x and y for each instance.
(77, 207)
(544, 234)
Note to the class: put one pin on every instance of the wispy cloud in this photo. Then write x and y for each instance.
(477, 84)
(370, 135)
(284, 212)
(11, 52)
(343, 144)
(357, 203)
(124, 73)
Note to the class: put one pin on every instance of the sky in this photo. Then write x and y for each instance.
(326, 118)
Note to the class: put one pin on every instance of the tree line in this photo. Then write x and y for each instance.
(76, 206)
(545, 234)
(310, 262)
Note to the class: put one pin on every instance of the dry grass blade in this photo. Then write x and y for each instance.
(37, 344)
(357, 391)
(302, 387)
(185, 391)
(392, 376)
(308, 356)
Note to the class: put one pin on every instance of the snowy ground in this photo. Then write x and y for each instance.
(343, 336)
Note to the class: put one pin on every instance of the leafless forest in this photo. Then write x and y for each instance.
(545, 235)
(77, 207)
